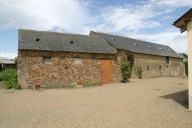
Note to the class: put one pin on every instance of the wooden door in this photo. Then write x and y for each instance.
(105, 71)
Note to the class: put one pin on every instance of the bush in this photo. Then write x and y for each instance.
(9, 78)
(126, 70)
(186, 67)
(0, 77)
(139, 72)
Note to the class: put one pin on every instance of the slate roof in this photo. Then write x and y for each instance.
(184, 55)
(137, 46)
(53, 41)
(6, 61)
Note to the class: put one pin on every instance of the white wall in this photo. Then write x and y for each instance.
(189, 38)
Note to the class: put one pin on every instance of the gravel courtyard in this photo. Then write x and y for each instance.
(146, 103)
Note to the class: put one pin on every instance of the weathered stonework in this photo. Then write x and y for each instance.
(153, 66)
(62, 71)
(88, 60)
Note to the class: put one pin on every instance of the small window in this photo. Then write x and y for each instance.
(37, 39)
(147, 67)
(167, 60)
(128, 58)
(78, 61)
(47, 60)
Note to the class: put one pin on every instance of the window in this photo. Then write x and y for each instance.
(37, 39)
(128, 58)
(167, 60)
(78, 61)
(46, 60)
(147, 67)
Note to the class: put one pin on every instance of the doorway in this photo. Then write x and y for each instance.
(105, 71)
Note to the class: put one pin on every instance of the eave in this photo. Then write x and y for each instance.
(183, 20)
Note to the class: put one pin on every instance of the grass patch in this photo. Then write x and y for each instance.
(89, 84)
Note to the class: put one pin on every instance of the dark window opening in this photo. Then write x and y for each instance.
(128, 58)
(37, 39)
(160, 67)
(167, 60)
(46, 60)
(147, 67)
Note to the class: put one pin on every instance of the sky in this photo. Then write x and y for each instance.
(148, 20)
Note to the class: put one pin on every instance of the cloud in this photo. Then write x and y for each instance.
(7, 55)
(128, 17)
(70, 15)
(173, 3)
(76, 16)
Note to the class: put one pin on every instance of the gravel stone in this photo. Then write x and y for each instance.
(145, 103)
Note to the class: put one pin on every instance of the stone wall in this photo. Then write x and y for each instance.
(62, 71)
(153, 66)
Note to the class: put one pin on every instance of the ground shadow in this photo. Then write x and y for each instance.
(180, 97)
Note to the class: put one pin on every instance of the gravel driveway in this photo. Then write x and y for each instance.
(146, 103)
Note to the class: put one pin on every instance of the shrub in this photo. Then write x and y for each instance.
(186, 67)
(9, 78)
(126, 70)
(139, 72)
(15, 60)
(0, 77)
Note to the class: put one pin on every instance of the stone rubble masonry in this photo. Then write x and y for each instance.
(154, 66)
(63, 71)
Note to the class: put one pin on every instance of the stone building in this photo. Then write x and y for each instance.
(7, 64)
(56, 59)
(156, 60)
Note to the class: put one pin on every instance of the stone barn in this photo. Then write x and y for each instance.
(51, 59)
(155, 60)
(57, 59)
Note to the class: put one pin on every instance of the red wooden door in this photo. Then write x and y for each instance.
(106, 71)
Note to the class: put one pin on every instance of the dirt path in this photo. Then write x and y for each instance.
(158, 102)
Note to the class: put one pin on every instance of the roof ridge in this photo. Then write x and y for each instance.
(129, 38)
(54, 41)
(32, 30)
(131, 47)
